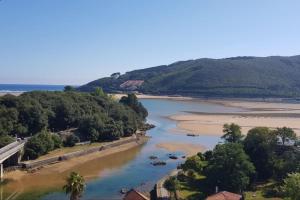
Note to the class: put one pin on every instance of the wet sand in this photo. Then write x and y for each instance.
(188, 149)
(90, 166)
(268, 114)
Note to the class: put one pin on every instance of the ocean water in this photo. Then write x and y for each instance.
(5, 88)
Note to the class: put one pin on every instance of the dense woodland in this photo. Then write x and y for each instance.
(94, 116)
(265, 160)
(274, 76)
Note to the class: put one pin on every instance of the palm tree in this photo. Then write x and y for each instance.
(75, 186)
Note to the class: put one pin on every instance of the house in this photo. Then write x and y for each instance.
(224, 196)
(115, 75)
(135, 195)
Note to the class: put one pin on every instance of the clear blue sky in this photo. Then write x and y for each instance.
(76, 41)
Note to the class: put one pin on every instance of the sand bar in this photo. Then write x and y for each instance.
(189, 149)
(268, 114)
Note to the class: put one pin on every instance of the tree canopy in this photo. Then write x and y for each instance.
(232, 133)
(75, 185)
(260, 144)
(229, 168)
(291, 186)
(95, 117)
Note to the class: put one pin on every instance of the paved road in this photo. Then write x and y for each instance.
(11, 149)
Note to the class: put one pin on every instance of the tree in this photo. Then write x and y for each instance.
(69, 88)
(75, 186)
(291, 186)
(232, 133)
(260, 144)
(71, 140)
(286, 134)
(172, 184)
(38, 145)
(132, 101)
(229, 168)
(57, 141)
(195, 163)
(5, 140)
(99, 92)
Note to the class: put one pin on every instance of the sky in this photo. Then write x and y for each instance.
(77, 41)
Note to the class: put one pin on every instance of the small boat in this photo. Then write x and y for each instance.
(158, 163)
(173, 157)
(191, 135)
(152, 157)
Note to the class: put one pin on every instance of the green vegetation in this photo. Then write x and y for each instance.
(230, 77)
(229, 168)
(232, 133)
(260, 166)
(75, 186)
(291, 186)
(71, 140)
(95, 117)
(40, 144)
(5, 140)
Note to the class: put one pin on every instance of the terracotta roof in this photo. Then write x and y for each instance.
(224, 196)
(134, 195)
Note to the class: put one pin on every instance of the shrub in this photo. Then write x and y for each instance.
(71, 140)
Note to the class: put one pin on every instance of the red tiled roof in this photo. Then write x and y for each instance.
(134, 195)
(224, 196)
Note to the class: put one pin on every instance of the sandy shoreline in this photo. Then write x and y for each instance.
(188, 149)
(54, 174)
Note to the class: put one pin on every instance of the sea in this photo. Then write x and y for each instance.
(14, 88)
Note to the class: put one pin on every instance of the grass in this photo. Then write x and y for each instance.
(190, 189)
(261, 190)
(258, 195)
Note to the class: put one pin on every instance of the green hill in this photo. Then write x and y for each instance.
(274, 76)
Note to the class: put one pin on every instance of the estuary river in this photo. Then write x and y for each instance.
(131, 168)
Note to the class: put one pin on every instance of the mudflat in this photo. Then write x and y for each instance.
(254, 114)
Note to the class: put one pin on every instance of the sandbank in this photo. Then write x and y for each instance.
(189, 149)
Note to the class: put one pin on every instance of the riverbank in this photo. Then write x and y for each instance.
(90, 166)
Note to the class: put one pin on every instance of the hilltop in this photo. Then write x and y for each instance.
(274, 76)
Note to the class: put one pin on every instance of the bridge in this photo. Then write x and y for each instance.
(10, 150)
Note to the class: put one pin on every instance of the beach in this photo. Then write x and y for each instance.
(254, 114)
(188, 149)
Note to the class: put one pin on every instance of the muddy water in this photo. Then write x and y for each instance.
(128, 169)
(52, 178)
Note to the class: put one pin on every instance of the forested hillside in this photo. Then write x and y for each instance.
(94, 116)
(230, 77)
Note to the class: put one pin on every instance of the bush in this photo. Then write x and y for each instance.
(40, 144)
(5, 140)
(71, 140)
(57, 141)
(171, 184)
